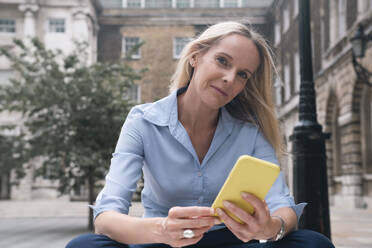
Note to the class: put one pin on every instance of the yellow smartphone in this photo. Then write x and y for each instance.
(251, 175)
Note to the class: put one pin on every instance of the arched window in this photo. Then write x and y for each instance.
(366, 118)
(336, 142)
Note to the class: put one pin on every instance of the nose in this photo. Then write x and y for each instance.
(229, 76)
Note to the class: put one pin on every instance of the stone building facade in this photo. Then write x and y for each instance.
(57, 24)
(164, 31)
(343, 100)
(112, 27)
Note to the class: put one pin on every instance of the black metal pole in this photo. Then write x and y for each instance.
(310, 168)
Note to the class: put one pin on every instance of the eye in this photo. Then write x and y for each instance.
(243, 75)
(222, 60)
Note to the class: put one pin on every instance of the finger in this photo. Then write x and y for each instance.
(238, 212)
(258, 204)
(196, 223)
(228, 220)
(190, 212)
(186, 242)
(178, 224)
(235, 227)
(199, 231)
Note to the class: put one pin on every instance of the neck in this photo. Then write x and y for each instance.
(194, 114)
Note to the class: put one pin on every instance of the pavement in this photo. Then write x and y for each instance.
(39, 224)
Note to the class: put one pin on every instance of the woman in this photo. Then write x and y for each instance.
(220, 108)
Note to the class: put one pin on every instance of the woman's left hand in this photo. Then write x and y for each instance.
(259, 225)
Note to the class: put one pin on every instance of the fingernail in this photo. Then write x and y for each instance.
(212, 211)
(245, 195)
(226, 204)
(219, 211)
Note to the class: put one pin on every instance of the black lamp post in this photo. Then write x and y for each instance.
(310, 168)
(358, 44)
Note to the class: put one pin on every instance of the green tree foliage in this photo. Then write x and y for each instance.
(72, 112)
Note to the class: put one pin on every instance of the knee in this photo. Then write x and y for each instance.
(310, 238)
(94, 241)
(83, 241)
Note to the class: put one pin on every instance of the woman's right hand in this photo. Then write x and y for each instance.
(197, 219)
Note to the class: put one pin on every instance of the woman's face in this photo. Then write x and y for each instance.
(221, 73)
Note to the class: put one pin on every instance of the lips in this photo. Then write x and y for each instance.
(219, 90)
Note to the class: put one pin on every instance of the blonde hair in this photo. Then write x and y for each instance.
(255, 103)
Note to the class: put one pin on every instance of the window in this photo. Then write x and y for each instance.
(132, 94)
(366, 118)
(231, 3)
(285, 19)
(50, 172)
(277, 33)
(183, 4)
(130, 47)
(297, 72)
(7, 26)
(133, 3)
(207, 4)
(287, 80)
(278, 91)
(178, 44)
(56, 25)
(158, 3)
(336, 141)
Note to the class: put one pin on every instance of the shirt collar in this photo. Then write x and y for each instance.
(165, 112)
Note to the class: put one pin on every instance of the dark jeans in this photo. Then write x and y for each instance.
(222, 238)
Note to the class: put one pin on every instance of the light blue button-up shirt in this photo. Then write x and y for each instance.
(153, 140)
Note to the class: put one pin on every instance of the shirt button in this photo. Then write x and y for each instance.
(200, 174)
(200, 199)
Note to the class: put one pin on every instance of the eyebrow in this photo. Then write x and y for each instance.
(227, 55)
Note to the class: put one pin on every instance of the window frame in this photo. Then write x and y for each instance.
(175, 55)
(136, 55)
(54, 31)
(6, 26)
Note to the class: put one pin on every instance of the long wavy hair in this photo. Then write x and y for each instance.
(255, 103)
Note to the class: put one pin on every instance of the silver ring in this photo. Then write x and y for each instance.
(188, 234)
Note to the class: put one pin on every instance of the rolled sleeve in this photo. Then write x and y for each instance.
(125, 170)
(278, 195)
